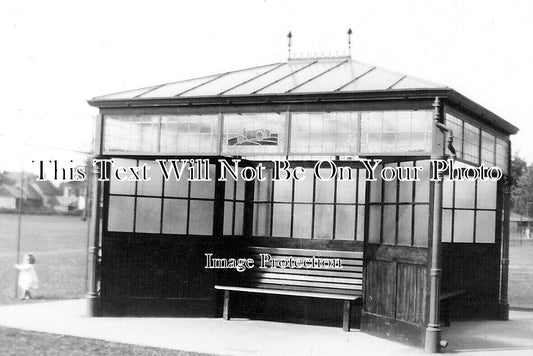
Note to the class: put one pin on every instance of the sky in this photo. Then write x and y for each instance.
(58, 54)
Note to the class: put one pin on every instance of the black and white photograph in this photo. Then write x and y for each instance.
(266, 177)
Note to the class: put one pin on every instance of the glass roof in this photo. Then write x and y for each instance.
(307, 75)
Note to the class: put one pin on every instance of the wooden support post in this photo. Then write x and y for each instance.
(346, 315)
(225, 311)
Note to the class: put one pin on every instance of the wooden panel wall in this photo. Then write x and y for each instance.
(396, 292)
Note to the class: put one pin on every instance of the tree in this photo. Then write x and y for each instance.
(522, 186)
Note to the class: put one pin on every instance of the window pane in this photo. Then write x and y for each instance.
(406, 188)
(121, 210)
(375, 187)
(321, 132)
(421, 225)
(464, 226)
(346, 189)
(360, 223)
(404, 224)
(228, 218)
(205, 189)
(447, 193)
(485, 226)
(324, 222)
(229, 188)
(396, 131)
(239, 218)
(361, 198)
(465, 193)
(189, 134)
(303, 189)
(155, 185)
(456, 125)
(122, 186)
(175, 216)
(178, 188)
(390, 188)
(446, 225)
(345, 222)
(281, 224)
(263, 189)
(261, 219)
(201, 217)
(254, 133)
(486, 194)
(374, 224)
(241, 186)
(488, 149)
(283, 190)
(502, 148)
(302, 220)
(148, 217)
(324, 190)
(471, 143)
(389, 224)
(422, 186)
(131, 134)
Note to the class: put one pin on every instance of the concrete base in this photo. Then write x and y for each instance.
(432, 343)
(503, 311)
(254, 337)
(93, 308)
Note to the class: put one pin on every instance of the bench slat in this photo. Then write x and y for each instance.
(300, 277)
(306, 252)
(342, 273)
(307, 283)
(290, 293)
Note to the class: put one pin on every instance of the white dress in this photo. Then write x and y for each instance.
(27, 276)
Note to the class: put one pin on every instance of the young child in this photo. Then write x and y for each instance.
(27, 277)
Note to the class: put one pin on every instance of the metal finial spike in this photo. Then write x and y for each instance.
(289, 42)
(349, 42)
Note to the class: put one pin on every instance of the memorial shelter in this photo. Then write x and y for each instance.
(413, 253)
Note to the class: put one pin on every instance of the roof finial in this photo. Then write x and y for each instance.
(289, 37)
(350, 42)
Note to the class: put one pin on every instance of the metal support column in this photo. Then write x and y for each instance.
(504, 264)
(94, 249)
(92, 294)
(433, 330)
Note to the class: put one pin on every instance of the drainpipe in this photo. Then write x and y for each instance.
(92, 292)
(504, 267)
(433, 341)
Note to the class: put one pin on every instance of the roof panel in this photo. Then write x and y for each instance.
(334, 79)
(415, 83)
(220, 85)
(377, 79)
(252, 86)
(125, 94)
(173, 89)
(300, 77)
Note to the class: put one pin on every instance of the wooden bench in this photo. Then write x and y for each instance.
(446, 298)
(343, 283)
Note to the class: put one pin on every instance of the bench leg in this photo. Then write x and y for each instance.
(346, 315)
(225, 311)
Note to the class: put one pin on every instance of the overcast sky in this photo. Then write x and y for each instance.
(58, 54)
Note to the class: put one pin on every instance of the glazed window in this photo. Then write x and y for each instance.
(334, 132)
(311, 208)
(254, 133)
(396, 131)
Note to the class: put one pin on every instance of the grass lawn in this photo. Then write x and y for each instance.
(59, 245)
(21, 342)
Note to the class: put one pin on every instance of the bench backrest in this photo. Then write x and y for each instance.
(313, 270)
